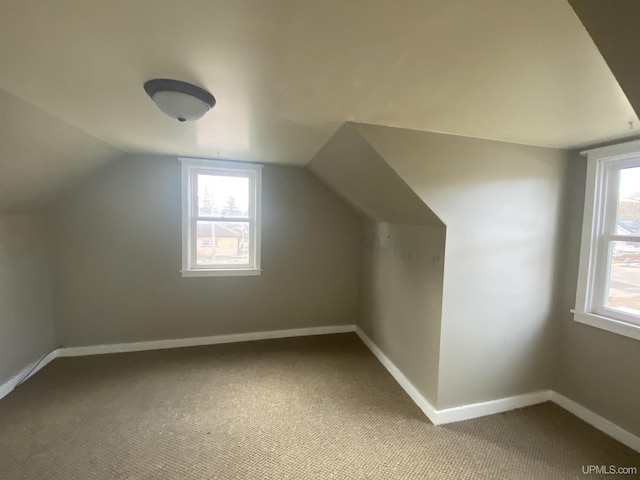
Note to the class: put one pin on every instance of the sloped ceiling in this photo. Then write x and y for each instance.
(40, 155)
(288, 73)
(354, 170)
(614, 29)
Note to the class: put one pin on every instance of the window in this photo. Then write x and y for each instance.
(220, 218)
(609, 277)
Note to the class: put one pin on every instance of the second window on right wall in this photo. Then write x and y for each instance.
(609, 278)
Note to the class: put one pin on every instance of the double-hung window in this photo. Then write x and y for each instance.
(608, 294)
(220, 218)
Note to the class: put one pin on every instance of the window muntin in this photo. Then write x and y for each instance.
(221, 218)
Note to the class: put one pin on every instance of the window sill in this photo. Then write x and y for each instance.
(605, 323)
(248, 272)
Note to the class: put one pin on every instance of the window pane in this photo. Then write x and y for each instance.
(628, 214)
(223, 196)
(222, 243)
(624, 278)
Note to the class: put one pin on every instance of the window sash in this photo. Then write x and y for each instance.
(602, 278)
(605, 227)
(191, 216)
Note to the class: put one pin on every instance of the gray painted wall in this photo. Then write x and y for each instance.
(116, 244)
(596, 368)
(501, 204)
(26, 325)
(400, 288)
(400, 297)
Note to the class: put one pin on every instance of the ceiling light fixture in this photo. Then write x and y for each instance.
(179, 100)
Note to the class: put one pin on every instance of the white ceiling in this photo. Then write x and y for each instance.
(288, 73)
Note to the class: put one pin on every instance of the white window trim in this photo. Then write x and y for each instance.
(193, 165)
(589, 309)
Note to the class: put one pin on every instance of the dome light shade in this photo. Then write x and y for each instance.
(179, 100)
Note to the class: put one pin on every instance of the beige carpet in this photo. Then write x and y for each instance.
(301, 408)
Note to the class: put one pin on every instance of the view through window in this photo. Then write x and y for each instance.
(623, 272)
(223, 228)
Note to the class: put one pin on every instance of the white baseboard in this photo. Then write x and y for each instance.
(595, 420)
(491, 407)
(437, 417)
(453, 414)
(7, 387)
(422, 403)
(200, 341)
(475, 410)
